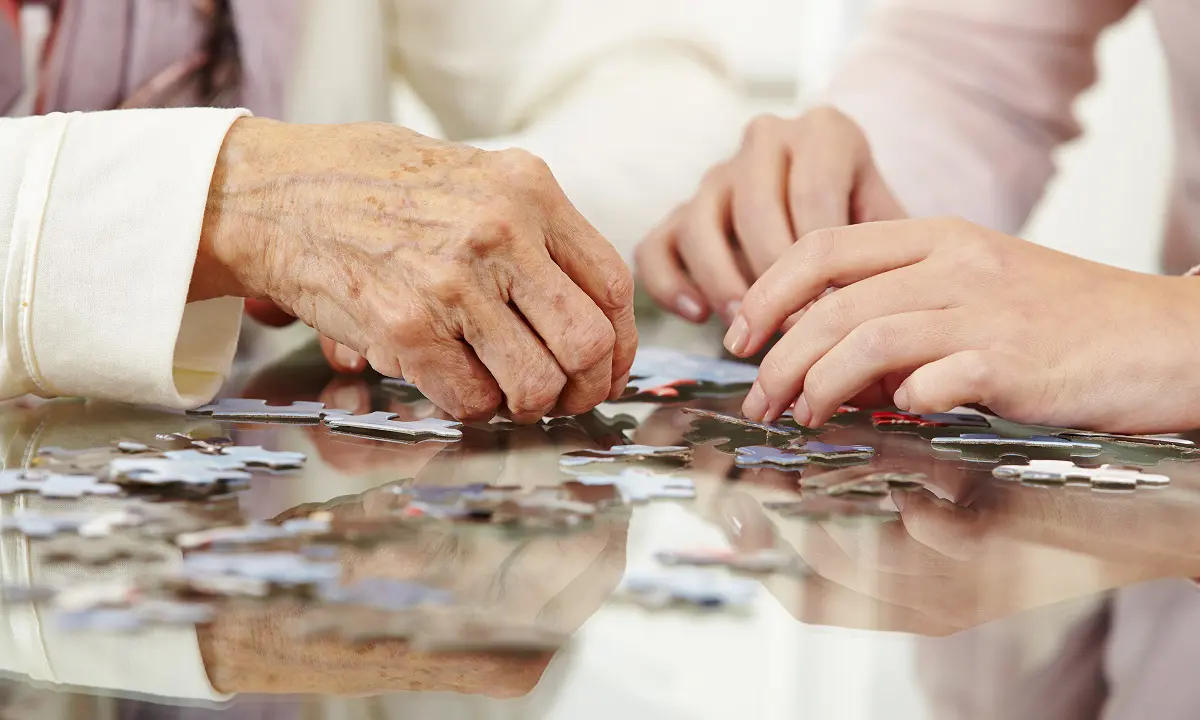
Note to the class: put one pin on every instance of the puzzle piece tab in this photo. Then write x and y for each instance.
(383, 425)
(1064, 472)
(254, 410)
(986, 447)
(627, 453)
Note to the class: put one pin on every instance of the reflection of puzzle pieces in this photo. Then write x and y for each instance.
(99, 550)
(253, 410)
(734, 432)
(827, 454)
(627, 453)
(876, 485)
(637, 486)
(382, 424)
(256, 456)
(763, 455)
(986, 447)
(766, 561)
(53, 485)
(164, 471)
(823, 507)
(689, 586)
(605, 431)
(402, 390)
(1064, 472)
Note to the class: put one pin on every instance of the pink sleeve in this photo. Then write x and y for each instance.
(965, 102)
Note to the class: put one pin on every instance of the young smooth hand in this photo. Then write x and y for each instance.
(789, 178)
(934, 314)
(467, 273)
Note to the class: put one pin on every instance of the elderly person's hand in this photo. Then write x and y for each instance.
(790, 177)
(466, 272)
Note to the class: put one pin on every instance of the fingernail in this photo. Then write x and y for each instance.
(800, 413)
(346, 357)
(901, 399)
(756, 405)
(689, 308)
(738, 336)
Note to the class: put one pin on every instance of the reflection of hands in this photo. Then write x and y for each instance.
(558, 580)
(982, 550)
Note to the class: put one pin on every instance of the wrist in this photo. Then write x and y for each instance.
(235, 245)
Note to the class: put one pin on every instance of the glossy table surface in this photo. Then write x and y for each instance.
(981, 598)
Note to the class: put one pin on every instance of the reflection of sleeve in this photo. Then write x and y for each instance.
(100, 217)
(626, 102)
(965, 102)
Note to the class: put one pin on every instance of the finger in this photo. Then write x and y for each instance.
(873, 200)
(597, 268)
(268, 313)
(820, 182)
(577, 333)
(706, 252)
(341, 358)
(447, 372)
(869, 352)
(829, 258)
(949, 529)
(661, 273)
(523, 367)
(349, 394)
(1006, 383)
(782, 371)
(759, 176)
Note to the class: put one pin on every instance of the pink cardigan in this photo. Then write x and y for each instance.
(964, 102)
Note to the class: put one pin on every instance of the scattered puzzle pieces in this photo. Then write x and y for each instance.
(627, 453)
(273, 570)
(383, 425)
(875, 485)
(986, 447)
(99, 550)
(253, 410)
(1064, 472)
(637, 486)
(192, 475)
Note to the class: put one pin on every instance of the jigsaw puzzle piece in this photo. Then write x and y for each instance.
(1057, 473)
(627, 453)
(765, 455)
(54, 485)
(827, 454)
(990, 448)
(194, 475)
(253, 410)
(1138, 449)
(383, 425)
(930, 425)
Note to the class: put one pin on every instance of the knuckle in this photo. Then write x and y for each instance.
(875, 340)
(590, 345)
(763, 127)
(818, 246)
(539, 393)
(525, 170)
(830, 313)
(619, 287)
(479, 403)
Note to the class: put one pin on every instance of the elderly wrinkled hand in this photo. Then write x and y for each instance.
(467, 273)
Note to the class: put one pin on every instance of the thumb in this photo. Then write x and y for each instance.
(268, 313)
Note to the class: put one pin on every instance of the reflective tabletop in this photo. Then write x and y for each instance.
(968, 596)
